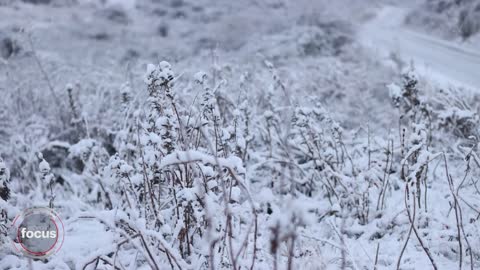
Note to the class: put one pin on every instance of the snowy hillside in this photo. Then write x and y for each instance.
(212, 134)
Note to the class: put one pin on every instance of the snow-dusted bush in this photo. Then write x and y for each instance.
(457, 114)
(469, 20)
(456, 18)
(4, 179)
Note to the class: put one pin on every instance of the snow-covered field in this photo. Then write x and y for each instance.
(210, 134)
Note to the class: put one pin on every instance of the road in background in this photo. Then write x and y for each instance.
(444, 61)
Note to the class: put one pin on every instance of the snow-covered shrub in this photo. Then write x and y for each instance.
(4, 179)
(115, 14)
(415, 129)
(456, 114)
(4, 197)
(408, 99)
(8, 46)
(307, 40)
(5, 127)
(453, 110)
(420, 115)
(451, 18)
(183, 182)
(324, 38)
(47, 179)
(94, 158)
(469, 20)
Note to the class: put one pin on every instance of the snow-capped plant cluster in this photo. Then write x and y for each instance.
(254, 180)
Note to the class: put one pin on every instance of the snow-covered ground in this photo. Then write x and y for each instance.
(265, 135)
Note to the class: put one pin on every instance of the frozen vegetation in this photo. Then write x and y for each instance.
(182, 134)
(448, 18)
